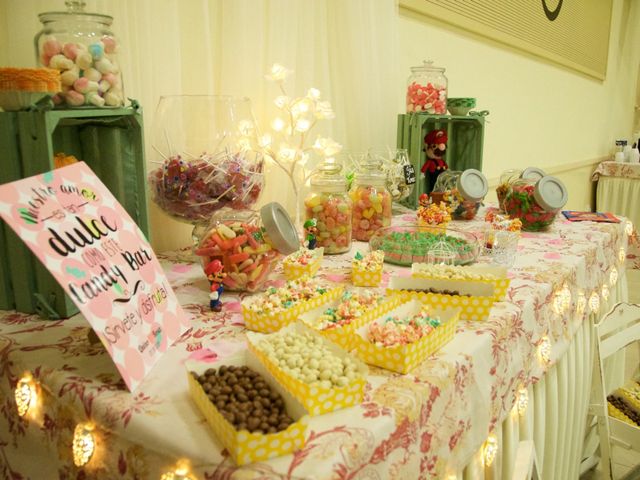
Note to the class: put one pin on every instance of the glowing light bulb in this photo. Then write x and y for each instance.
(490, 450)
(522, 401)
(544, 350)
(281, 101)
(302, 125)
(25, 394)
(565, 297)
(581, 304)
(313, 93)
(628, 228)
(605, 292)
(84, 444)
(277, 124)
(622, 255)
(557, 303)
(594, 302)
(182, 471)
(265, 140)
(613, 276)
(287, 153)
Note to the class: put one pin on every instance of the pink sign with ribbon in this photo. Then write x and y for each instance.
(93, 248)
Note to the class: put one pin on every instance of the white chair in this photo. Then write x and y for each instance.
(615, 331)
(526, 466)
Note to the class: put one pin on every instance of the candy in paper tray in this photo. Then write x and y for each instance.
(244, 446)
(499, 281)
(343, 335)
(293, 270)
(316, 399)
(474, 299)
(404, 358)
(274, 321)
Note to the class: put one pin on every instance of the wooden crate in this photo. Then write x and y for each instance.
(464, 147)
(110, 141)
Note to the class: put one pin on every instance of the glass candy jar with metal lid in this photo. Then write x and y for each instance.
(247, 244)
(463, 191)
(506, 179)
(329, 207)
(371, 201)
(82, 47)
(427, 89)
(535, 202)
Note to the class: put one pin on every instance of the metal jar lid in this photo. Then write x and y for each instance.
(472, 185)
(280, 228)
(533, 173)
(550, 193)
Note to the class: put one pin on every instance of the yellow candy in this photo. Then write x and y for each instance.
(368, 213)
(314, 201)
(255, 273)
(378, 207)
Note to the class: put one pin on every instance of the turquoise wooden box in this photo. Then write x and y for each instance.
(464, 147)
(110, 141)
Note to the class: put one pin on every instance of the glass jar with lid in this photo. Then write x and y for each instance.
(401, 175)
(463, 191)
(506, 179)
(535, 202)
(427, 89)
(371, 200)
(329, 205)
(247, 244)
(82, 47)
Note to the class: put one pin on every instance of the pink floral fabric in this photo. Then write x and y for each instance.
(616, 169)
(413, 426)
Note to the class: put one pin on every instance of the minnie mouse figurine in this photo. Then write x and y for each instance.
(435, 145)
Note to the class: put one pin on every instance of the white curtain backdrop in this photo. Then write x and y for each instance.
(345, 48)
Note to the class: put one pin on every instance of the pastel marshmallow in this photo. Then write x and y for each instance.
(68, 77)
(73, 98)
(84, 85)
(84, 60)
(51, 47)
(95, 99)
(92, 74)
(96, 50)
(105, 66)
(114, 98)
(113, 80)
(104, 86)
(60, 62)
(70, 50)
(109, 44)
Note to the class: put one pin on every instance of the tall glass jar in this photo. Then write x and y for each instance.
(463, 191)
(83, 49)
(506, 179)
(427, 89)
(371, 201)
(401, 176)
(247, 244)
(329, 204)
(535, 202)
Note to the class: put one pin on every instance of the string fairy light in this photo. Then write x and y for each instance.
(182, 471)
(581, 303)
(605, 292)
(613, 276)
(594, 302)
(544, 350)
(622, 255)
(25, 394)
(628, 228)
(490, 450)
(522, 401)
(84, 443)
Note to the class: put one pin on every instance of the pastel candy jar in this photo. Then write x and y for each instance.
(329, 204)
(371, 201)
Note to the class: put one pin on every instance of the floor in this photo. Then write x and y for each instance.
(626, 463)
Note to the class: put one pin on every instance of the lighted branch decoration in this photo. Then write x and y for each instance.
(287, 145)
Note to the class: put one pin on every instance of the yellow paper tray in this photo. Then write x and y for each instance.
(475, 307)
(316, 400)
(404, 358)
(244, 446)
(366, 278)
(343, 336)
(500, 283)
(293, 271)
(272, 322)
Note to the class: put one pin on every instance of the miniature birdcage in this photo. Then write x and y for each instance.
(441, 253)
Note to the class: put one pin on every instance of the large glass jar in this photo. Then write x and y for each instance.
(463, 191)
(248, 244)
(401, 176)
(83, 49)
(329, 204)
(427, 89)
(535, 202)
(371, 201)
(506, 179)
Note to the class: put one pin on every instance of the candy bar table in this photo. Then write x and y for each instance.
(618, 192)
(525, 373)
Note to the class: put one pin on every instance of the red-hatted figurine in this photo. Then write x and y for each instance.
(435, 145)
(215, 274)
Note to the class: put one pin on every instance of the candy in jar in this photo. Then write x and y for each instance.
(462, 191)
(506, 179)
(371, 201)
(330, 206)
(427, 90)
(248, 245)
(535, 203)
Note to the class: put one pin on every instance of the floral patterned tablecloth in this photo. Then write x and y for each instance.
(417, 425)
(616, 169)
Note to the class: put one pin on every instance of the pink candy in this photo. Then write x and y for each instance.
(51, 47)
(333, 215)
(427, 98)
(371, 211)
(70, 50)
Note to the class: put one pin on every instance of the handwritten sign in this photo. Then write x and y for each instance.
(93, 248)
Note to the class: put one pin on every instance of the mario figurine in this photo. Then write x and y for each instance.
(435, 145)
(215, 275)
(311, 231)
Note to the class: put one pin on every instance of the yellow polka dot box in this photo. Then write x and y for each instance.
(343, 335)
(315, 398)
(475, 300)
(274, 321)
(294, 270)
(404, 358)
(477, 274)
(366, 278)
(244, 446)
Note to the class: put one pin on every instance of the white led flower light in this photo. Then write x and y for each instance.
(490, 450)
(622, 255)
(613, 276)
(522, 401)
(544, 350)
(182, 471)
(84, 444)
(605, 292)
(581, 303)
(25, 394)
(594, 302)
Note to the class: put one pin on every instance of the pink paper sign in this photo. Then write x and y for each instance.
(93, 248)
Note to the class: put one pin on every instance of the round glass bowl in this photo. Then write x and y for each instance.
(407, 244)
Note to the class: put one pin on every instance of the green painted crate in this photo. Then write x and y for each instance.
(464, 146)
(110, 141)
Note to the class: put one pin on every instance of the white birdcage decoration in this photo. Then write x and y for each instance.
(442, 253)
